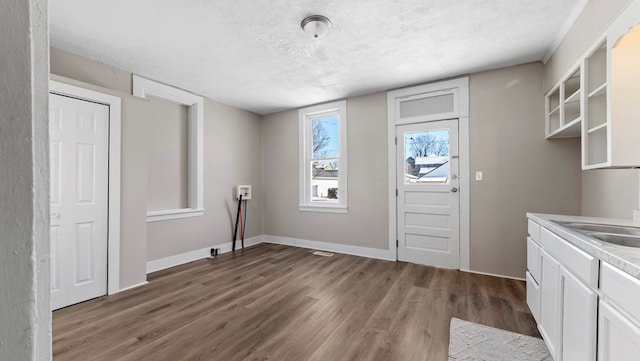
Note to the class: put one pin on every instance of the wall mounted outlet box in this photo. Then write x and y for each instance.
(245, 191)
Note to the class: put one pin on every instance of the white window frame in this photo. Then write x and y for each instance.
(305, 118)
(195, 163)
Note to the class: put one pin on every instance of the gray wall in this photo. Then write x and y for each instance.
(523, 172)
(366, 224)
(25, 314)
(167, 144)
(606, 193)
(599, 195)
(232, 156)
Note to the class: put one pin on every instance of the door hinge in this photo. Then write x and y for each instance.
(397, 243)
(396, 192)
(396, 140)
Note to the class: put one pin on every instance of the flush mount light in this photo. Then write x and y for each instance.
(316, 26)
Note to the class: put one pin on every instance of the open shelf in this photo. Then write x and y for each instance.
(597, 68)
(564, 107)
(569, 130)
(601, 90)
(573, 98)
(599, 128)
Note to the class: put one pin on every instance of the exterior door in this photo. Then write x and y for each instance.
(79, 135)
(428, 199)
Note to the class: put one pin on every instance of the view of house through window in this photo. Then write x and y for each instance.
(426, 157)
(325, 159)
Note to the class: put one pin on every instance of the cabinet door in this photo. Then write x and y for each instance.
(618, 338)
(550, 303)
(579, 310)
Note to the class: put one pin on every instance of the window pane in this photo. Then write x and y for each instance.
(325, 137)
(324, 180)
(426, 157)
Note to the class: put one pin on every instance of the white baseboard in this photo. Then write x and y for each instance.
(182, 258)
(493, 275)
(130, 287)
(376, 253)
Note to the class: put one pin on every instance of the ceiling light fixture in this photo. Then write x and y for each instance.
(316, 26)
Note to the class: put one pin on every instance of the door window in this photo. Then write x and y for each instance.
(426, 157)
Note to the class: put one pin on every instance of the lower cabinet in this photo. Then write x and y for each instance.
(579, 310)
(550, 304)
(619, 338)
(564, 304)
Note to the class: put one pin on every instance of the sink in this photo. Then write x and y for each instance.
(603, 228)
(619, 235)
(619, 239)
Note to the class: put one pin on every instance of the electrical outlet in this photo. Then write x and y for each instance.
(479, 176)
(245, 191)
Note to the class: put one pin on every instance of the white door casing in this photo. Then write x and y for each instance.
(428, 198)
(443, 100)
(79, 134)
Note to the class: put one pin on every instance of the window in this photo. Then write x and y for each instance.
(193, 203)
(323, 157)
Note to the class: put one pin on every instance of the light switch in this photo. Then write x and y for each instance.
(479, 176)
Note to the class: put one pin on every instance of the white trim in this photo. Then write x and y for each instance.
(460, 88)
(334, 208)
(305, 116)
(155, 216)
(182, 258)
(495, 275)
(568, 23)
(133, 286)
(114, 104)
(376, 253)
(143, 87)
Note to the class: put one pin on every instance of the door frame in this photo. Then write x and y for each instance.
(460, 89)
(113, 213)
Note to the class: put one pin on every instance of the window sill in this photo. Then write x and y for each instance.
(334, 208)
(156, 216)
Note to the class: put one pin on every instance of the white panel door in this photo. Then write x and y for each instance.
(579, 318)
(428, 200)
(618, 337)
(550, 304)
(79, 135)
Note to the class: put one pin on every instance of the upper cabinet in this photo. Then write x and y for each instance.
(564, 110)
(598, 99)
(595, 133)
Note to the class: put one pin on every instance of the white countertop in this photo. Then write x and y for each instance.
(624, 258)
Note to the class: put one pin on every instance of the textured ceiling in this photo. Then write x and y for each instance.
(253, 55)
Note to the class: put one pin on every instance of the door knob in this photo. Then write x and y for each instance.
(454, 189)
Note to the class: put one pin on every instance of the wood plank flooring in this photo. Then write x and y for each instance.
(272, 302)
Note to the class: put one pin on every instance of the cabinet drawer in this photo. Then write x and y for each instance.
(533, 259)
(533, 229)
(621, 289)
(533, 297)
(580, 263)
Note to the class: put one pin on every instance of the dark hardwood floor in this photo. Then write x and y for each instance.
(272, 302)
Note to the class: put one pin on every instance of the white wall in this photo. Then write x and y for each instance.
(25, 316)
